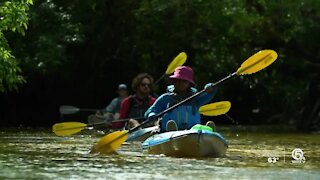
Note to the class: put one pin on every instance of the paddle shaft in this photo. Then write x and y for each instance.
(181, 102)
(120, 120)
(157, 81)
(87, 109)
(127, 119)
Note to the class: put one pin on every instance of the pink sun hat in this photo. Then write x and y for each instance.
(183, 73)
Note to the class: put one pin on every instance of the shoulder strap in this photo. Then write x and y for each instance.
(131, 101)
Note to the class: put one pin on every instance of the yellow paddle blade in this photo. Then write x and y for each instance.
(67, 128)
(215, 109)
(177, 61)
(110, 143)
(258, 61)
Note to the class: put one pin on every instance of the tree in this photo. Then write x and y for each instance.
(76, 51)
(13, 17)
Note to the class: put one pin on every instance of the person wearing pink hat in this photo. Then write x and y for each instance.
(186, 115)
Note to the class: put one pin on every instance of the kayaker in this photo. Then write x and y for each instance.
(186, 115)
(135, 105)
(112, 111)
(114, 106)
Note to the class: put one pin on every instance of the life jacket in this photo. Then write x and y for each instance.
(185, 115)
(137, 107)
(174, 99)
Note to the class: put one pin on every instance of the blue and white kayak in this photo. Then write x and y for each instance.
(199, 141)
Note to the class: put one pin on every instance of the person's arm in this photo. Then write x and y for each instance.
(124, 106)
(112, 106)
(207, 96)
(158, 106)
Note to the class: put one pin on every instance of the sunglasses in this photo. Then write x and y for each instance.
(145, 84)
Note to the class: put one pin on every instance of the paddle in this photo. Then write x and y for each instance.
(70, 128)
(67, 109)
(111, 142)
(215, 109)
(179, 60)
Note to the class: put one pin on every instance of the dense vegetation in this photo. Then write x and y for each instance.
(76, 52)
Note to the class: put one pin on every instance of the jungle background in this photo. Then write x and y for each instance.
(56, 52)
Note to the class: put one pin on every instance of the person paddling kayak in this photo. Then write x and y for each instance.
(186, 115)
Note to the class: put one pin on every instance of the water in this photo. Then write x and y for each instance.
(39, 154)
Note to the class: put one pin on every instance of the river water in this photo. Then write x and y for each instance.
(253, 153)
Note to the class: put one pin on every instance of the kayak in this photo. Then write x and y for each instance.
(141, 134)
(196, 142)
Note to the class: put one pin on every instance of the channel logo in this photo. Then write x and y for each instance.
(297, 156)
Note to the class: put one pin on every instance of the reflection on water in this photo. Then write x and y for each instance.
(39, 154)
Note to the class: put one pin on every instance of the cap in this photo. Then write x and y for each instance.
(122, 86)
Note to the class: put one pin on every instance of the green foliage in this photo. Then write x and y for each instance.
(13, 17)
(93, 41)
(9, 71)
(52, 28)
(219, 35)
